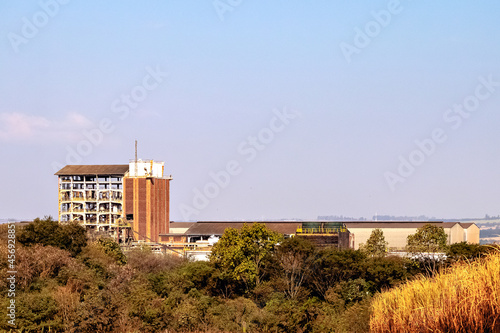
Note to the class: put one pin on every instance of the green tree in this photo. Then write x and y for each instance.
(429, 238)
(376, 245)
(112, 249)
(463, 250)
(70, 236)
(331, 266)
(240, 254)
(295, 256)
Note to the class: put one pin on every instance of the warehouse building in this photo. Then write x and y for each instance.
(396, 232)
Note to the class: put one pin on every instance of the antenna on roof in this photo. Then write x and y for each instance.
(135, 158)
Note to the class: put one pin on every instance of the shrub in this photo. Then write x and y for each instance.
(145, 261)
(36, 312)
(71, 236)
(112, 249)
(39, 262)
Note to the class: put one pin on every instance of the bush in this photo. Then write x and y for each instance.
(39, 263)
(145, 261)
(463, 250)
(71, 236)
(112, 249)
(36, 312)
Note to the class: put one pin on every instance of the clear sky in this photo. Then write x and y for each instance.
(295, 108)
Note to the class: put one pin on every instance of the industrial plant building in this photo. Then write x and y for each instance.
(396, 232)
(319, 233)
(322, 233)
(130, 202)
(127, 201)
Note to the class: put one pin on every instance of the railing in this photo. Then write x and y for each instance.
(320, 230)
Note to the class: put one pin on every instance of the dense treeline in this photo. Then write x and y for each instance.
(255, 281)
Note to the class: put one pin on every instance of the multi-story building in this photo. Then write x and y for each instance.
(132, 196)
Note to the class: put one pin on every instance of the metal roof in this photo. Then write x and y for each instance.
(79, 170)
(467, 225)
(218, 227)
(391, 224)
(174, 224)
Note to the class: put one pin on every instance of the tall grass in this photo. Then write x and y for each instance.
(464, 298)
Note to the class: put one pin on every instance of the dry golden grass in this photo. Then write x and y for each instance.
(465, 298)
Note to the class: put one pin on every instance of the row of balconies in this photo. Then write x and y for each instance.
(108, 219)
(92, 196)
(67, 207)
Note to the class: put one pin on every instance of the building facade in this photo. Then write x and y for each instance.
(146, 200)
(396, 233)
(125, 201)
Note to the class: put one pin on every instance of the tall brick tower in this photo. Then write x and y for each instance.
(146, 198)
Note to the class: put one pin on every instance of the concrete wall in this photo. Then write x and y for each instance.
(471, 234)
(455, 234)
(396, 237)
(146, 168)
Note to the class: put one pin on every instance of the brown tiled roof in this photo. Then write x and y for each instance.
(80, 170)
(207, 228)
(391, 224)
(174, 224)
(467, 225)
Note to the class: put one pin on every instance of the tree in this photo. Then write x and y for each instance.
(112, 249)
(331, 266)
(463, 250)
(295, 256)
(375, 246)
(429, 238)
(240, 254)
(71, 236)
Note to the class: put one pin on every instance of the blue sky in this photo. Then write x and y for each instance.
(267, 88)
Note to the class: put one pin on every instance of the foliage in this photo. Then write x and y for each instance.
(376, 245)
(429, 238)
(295, 256)
(112, 249)
(463, 250)
(49, 263)
(300, 288)
(387, 272)
(331, 266)
(70, 236)
(463, 298)
(37, 311)
(144, 260)
(240, 254)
